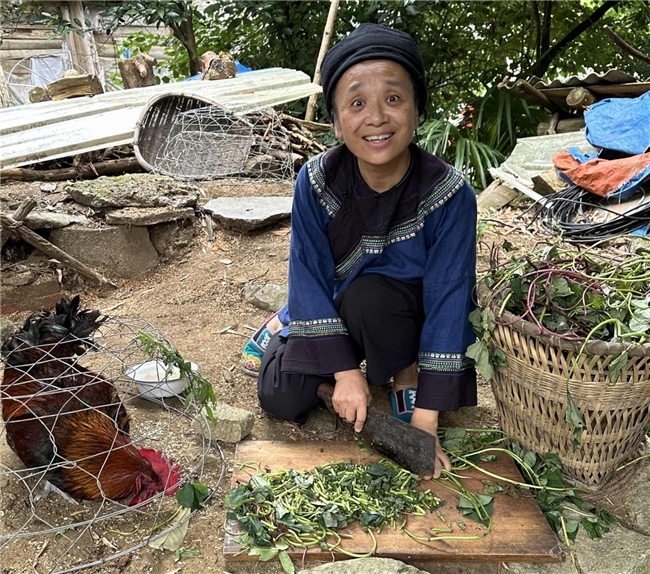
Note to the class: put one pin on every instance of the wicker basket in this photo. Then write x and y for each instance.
(531, 398)
(156, 122)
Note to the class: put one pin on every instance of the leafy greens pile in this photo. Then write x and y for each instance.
(288, 508)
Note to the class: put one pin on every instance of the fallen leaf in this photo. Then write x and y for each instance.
(174, 538)
(225, 261)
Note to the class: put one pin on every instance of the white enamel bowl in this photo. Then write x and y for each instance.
(154, 382)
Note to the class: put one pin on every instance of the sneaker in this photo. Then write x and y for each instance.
(251, 357)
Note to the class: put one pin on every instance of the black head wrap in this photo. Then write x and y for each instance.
(373, 42)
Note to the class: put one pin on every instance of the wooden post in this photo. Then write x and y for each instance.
(5, 95)
(79, 44)
(325, 42)
(539, 98)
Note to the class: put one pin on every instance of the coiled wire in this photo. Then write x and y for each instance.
(560, 210)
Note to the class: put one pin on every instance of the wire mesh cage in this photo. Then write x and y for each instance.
(54, 393)
(182, 137)
(155, 122)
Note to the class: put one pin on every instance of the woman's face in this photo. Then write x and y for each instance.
(376, 114)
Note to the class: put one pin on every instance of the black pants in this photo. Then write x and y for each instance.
(384, 318)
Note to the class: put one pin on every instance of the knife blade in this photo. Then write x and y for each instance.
(410, 447)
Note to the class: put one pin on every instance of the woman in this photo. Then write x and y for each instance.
(382, 259)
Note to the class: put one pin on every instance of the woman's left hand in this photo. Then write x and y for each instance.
(427, 420)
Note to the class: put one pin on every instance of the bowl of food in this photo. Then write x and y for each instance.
(156, 380)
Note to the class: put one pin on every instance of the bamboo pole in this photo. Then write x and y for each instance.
(325, 42)
(53, 251)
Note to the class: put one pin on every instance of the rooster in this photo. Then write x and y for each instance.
(69, 421)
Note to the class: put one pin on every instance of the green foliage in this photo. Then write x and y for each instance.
(543, 477)
(455, 146)
(302, 509)
(182, 553)
(200, 389)
(15, 12)
(192, 495)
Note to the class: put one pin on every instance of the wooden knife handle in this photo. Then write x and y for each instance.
(325, 392)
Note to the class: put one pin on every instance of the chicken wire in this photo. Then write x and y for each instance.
(210, 143)
(74, 535)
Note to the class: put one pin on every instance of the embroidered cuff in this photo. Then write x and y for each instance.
(446, 391)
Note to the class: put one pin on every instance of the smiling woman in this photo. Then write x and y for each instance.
(382, 258)
(376, 117)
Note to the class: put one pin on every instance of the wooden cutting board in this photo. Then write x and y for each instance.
(519, 531)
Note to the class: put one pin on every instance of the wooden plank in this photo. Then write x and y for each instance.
(519, 531)
(30, 44)
(27, 53)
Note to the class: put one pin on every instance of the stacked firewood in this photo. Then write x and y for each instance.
(302, 135)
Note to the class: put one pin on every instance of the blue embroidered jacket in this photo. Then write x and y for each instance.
(422, 231)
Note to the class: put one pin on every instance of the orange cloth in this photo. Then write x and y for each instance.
(602, 176)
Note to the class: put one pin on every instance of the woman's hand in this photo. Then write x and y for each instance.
(427, 420)
(351, 397)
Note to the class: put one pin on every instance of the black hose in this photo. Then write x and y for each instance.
(561, 209)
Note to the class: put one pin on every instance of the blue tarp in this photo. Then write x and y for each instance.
(620, 124)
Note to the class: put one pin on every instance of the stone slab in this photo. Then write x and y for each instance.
(147, 215)
(52, 220)
(133, 190)
(118, 251)
(231, 424)
(249, 213)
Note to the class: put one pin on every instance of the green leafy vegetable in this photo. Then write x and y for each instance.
(192, 495)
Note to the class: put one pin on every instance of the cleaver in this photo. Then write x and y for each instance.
(410, 447)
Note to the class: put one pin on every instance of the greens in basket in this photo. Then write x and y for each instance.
(574, 295)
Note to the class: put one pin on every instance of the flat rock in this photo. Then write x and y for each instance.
(52, 220)
(6, 329)
(147, 215)
(267, 297)
(118, 251)
(248, 213)
(134, 190)
(365, 566)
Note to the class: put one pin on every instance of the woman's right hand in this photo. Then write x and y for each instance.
(351, 397)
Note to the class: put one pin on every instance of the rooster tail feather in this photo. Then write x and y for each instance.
(67, 325)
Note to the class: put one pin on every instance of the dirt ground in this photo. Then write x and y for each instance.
(196, 301)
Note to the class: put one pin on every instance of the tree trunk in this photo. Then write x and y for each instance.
(5, 96)
(185, 35)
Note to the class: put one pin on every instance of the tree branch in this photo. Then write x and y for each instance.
(540, 67)
(625, 46)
